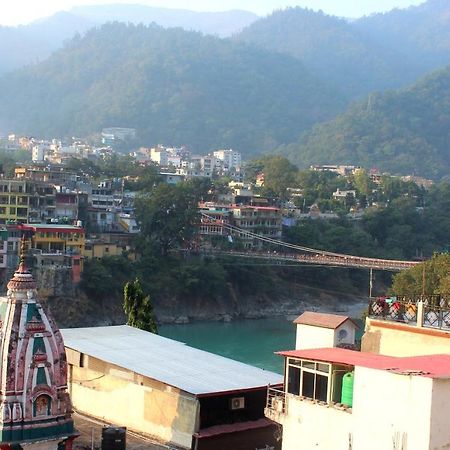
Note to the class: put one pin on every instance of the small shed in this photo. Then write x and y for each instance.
(187, 397)
(320, 330)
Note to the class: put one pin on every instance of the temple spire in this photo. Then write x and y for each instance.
(22, 279)
(23, 252)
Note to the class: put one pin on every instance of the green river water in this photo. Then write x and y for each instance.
(251, 341)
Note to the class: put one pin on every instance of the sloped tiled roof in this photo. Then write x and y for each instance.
(323, 320)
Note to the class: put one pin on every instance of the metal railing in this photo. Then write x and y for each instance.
(428, 311)
(398, 309)
(276, 400)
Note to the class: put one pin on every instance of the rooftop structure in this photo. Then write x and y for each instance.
(315, 330)
(340, 399)
(182, 395)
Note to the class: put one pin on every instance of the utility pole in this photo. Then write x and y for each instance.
(370, 283)
(423, 279)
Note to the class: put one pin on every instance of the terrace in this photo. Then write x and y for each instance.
(424, 311)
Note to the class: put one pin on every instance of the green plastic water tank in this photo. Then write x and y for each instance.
(347, 389)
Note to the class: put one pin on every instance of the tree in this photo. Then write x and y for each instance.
(138, 307)
(168, 214)
(435, 272)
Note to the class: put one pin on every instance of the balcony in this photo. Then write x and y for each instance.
(427, 311)
(275, 404)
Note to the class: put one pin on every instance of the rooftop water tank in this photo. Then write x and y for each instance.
(347, 389)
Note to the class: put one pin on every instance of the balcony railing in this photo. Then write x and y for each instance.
(276, 401)
(428, 311)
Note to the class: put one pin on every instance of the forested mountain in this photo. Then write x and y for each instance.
(405, 131)
(174, 86)
(373, 53)
(28, 44)
(331, 47)
(420, 31)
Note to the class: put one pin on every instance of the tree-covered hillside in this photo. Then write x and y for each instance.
(373, 53)
(405, 132)
(174, 86)
(331, 47)
(422, 31)
(27, 44)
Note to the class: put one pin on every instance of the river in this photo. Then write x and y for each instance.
(252, 341)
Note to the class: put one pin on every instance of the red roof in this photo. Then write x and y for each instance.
(431, 366)
(322, 320)
(51, 228)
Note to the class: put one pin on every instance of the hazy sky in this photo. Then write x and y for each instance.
(14, 12)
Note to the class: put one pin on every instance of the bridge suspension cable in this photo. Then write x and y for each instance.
(302, 248)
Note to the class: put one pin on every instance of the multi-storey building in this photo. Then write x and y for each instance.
(42, 202)
(52, 238)
(263, 221)
(14, 200)
(231, 159)
(55, 174)
(213, 218)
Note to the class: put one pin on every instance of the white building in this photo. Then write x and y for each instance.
(343, 194)
(38, 153)
(340, 399)
(159, 155)
(230, 158)
(324, 330)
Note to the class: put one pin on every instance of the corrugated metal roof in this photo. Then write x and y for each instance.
(323, 320)
(171, 362)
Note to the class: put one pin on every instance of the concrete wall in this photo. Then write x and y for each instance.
(312, 426)
(440, 423)
(124, 398)
(390, 408)
(390, 411)
(397, 339)
(313, 337)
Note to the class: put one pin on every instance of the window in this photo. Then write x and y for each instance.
(309, 379)
(12, 211)
(342, 334)
(316, 380)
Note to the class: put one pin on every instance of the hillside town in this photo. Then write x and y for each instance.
(70, 214)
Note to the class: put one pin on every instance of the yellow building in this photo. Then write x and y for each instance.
(52, 238)
(14, 200)
(407, 326)
(100, 249)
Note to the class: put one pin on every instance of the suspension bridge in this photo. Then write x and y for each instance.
(298, 254)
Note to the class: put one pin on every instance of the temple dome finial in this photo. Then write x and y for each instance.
(22, 278)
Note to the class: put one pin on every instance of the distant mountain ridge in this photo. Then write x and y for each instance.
(401, 132)
(378, 52)
(175, 87)
(20, 46)
(222, 24)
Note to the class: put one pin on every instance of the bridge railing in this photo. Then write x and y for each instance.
(428, 311)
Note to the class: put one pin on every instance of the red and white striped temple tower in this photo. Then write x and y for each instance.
(35, 407)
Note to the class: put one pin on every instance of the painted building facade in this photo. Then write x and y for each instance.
(35, 407)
